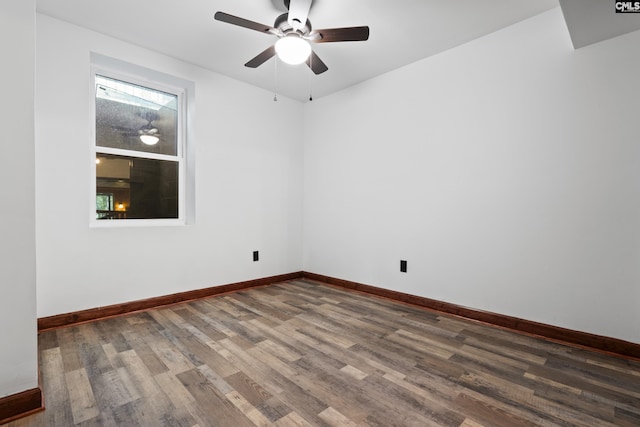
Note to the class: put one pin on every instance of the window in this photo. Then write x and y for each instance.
(139, 151)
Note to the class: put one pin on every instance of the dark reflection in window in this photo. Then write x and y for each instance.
(135, 188)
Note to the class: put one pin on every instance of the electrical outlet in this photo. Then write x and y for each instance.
(403, 266)
(256, 256)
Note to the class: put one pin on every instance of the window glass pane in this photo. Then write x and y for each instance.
(133, 117)
(135, 188)
(104, 205)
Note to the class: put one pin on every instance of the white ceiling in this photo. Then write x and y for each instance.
(401, 32)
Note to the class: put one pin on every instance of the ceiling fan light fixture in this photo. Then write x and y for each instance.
(149, 139)
(293, 49)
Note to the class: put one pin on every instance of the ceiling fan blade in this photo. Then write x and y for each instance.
(298, 13)
(241, 22)
(315, 63)
(262, 57)
(347, 34)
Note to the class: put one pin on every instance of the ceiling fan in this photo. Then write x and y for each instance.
(294, 33)
(147, 133)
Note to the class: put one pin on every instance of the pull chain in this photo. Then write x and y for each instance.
(275, 78)
(311, 77)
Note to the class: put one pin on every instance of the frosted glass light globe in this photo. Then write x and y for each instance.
(293, 49)
(149, 139)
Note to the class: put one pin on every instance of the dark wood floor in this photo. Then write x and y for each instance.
(305, 354)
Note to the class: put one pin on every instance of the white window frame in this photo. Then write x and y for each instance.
(180, 157)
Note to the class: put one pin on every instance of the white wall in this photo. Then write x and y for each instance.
(248, 185)
(18, 357)
(505, 171)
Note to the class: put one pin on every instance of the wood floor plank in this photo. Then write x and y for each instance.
(249, 410)
(626, 418)
(150, 359)
(279, 351)
(302, 353)
(274, 409)
(248, 389)
(219, 408)
(615, 365)
(54, 386)
(180, 397)
(201, 354)
(486, 414)
(158, 404)
(196, 321)
(81, 399)
(605, 377)
(525, 397)
(335, 418)
(170, 356)
(283, 336)
(504, 350)
(292, 420)
(353, 372)
(580, 403)
(597, 390)
(322, 331)
(422, 343)
(48, 341)
(470, 423)
(439, 410)
(68, 349)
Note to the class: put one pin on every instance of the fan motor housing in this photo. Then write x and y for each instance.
(283, 25)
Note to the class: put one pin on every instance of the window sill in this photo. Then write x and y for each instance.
(128, 223)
